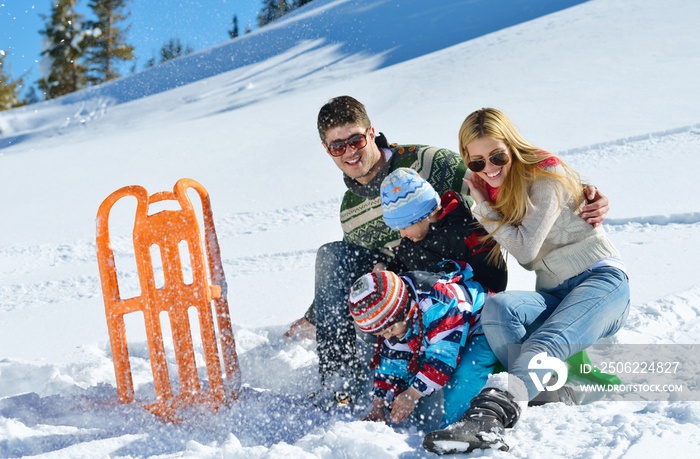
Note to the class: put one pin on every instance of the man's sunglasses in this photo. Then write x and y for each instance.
(357, 141)
(497, 159)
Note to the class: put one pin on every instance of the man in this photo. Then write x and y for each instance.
(365, 158)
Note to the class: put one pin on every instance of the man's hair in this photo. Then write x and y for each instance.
(339, 111)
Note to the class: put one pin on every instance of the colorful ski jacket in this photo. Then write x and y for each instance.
(455, 236)
(449, 316)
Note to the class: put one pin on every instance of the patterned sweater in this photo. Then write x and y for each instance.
(552, 239)
(449, 318)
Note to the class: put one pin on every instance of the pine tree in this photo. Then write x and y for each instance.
(108, 46)
(172, 49)
(233, 33)
(284, 7)
(275, 9)
(9, 94)
(271, 10)
(66, 41)
(32, 97)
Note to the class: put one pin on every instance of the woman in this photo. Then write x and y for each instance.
(529, 202)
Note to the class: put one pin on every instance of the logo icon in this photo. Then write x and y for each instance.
(553, 365)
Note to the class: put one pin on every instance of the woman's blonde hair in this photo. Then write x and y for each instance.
(513, 198)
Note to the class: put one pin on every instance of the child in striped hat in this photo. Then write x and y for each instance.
(428, 338)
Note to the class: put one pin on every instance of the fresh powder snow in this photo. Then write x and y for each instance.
(611, 85)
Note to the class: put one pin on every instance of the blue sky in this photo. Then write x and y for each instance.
(197, 23)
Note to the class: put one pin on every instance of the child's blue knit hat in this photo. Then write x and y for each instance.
(407, 198)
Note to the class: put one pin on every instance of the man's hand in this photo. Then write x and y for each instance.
(301, 328)
(597, 208)
(404, 404)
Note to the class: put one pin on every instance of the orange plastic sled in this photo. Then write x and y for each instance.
(167, 229)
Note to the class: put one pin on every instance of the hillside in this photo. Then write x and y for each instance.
(608, 84)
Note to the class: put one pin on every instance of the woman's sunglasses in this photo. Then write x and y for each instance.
(497, 159)
(357, 141)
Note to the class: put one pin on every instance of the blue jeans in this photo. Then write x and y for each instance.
(338, 265)
(560, 321)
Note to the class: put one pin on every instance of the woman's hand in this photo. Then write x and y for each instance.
(477, 188)
(404, 404)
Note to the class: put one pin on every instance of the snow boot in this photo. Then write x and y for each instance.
(482, 426)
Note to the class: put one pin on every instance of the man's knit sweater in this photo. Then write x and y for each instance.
(552, 240)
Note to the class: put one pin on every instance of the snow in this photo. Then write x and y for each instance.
(609, 84)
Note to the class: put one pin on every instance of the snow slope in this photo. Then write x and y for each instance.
(610, 84)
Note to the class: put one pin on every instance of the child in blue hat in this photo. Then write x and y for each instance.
(436, 228)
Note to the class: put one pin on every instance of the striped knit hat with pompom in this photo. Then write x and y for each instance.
(378, 300)
(407, 198)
